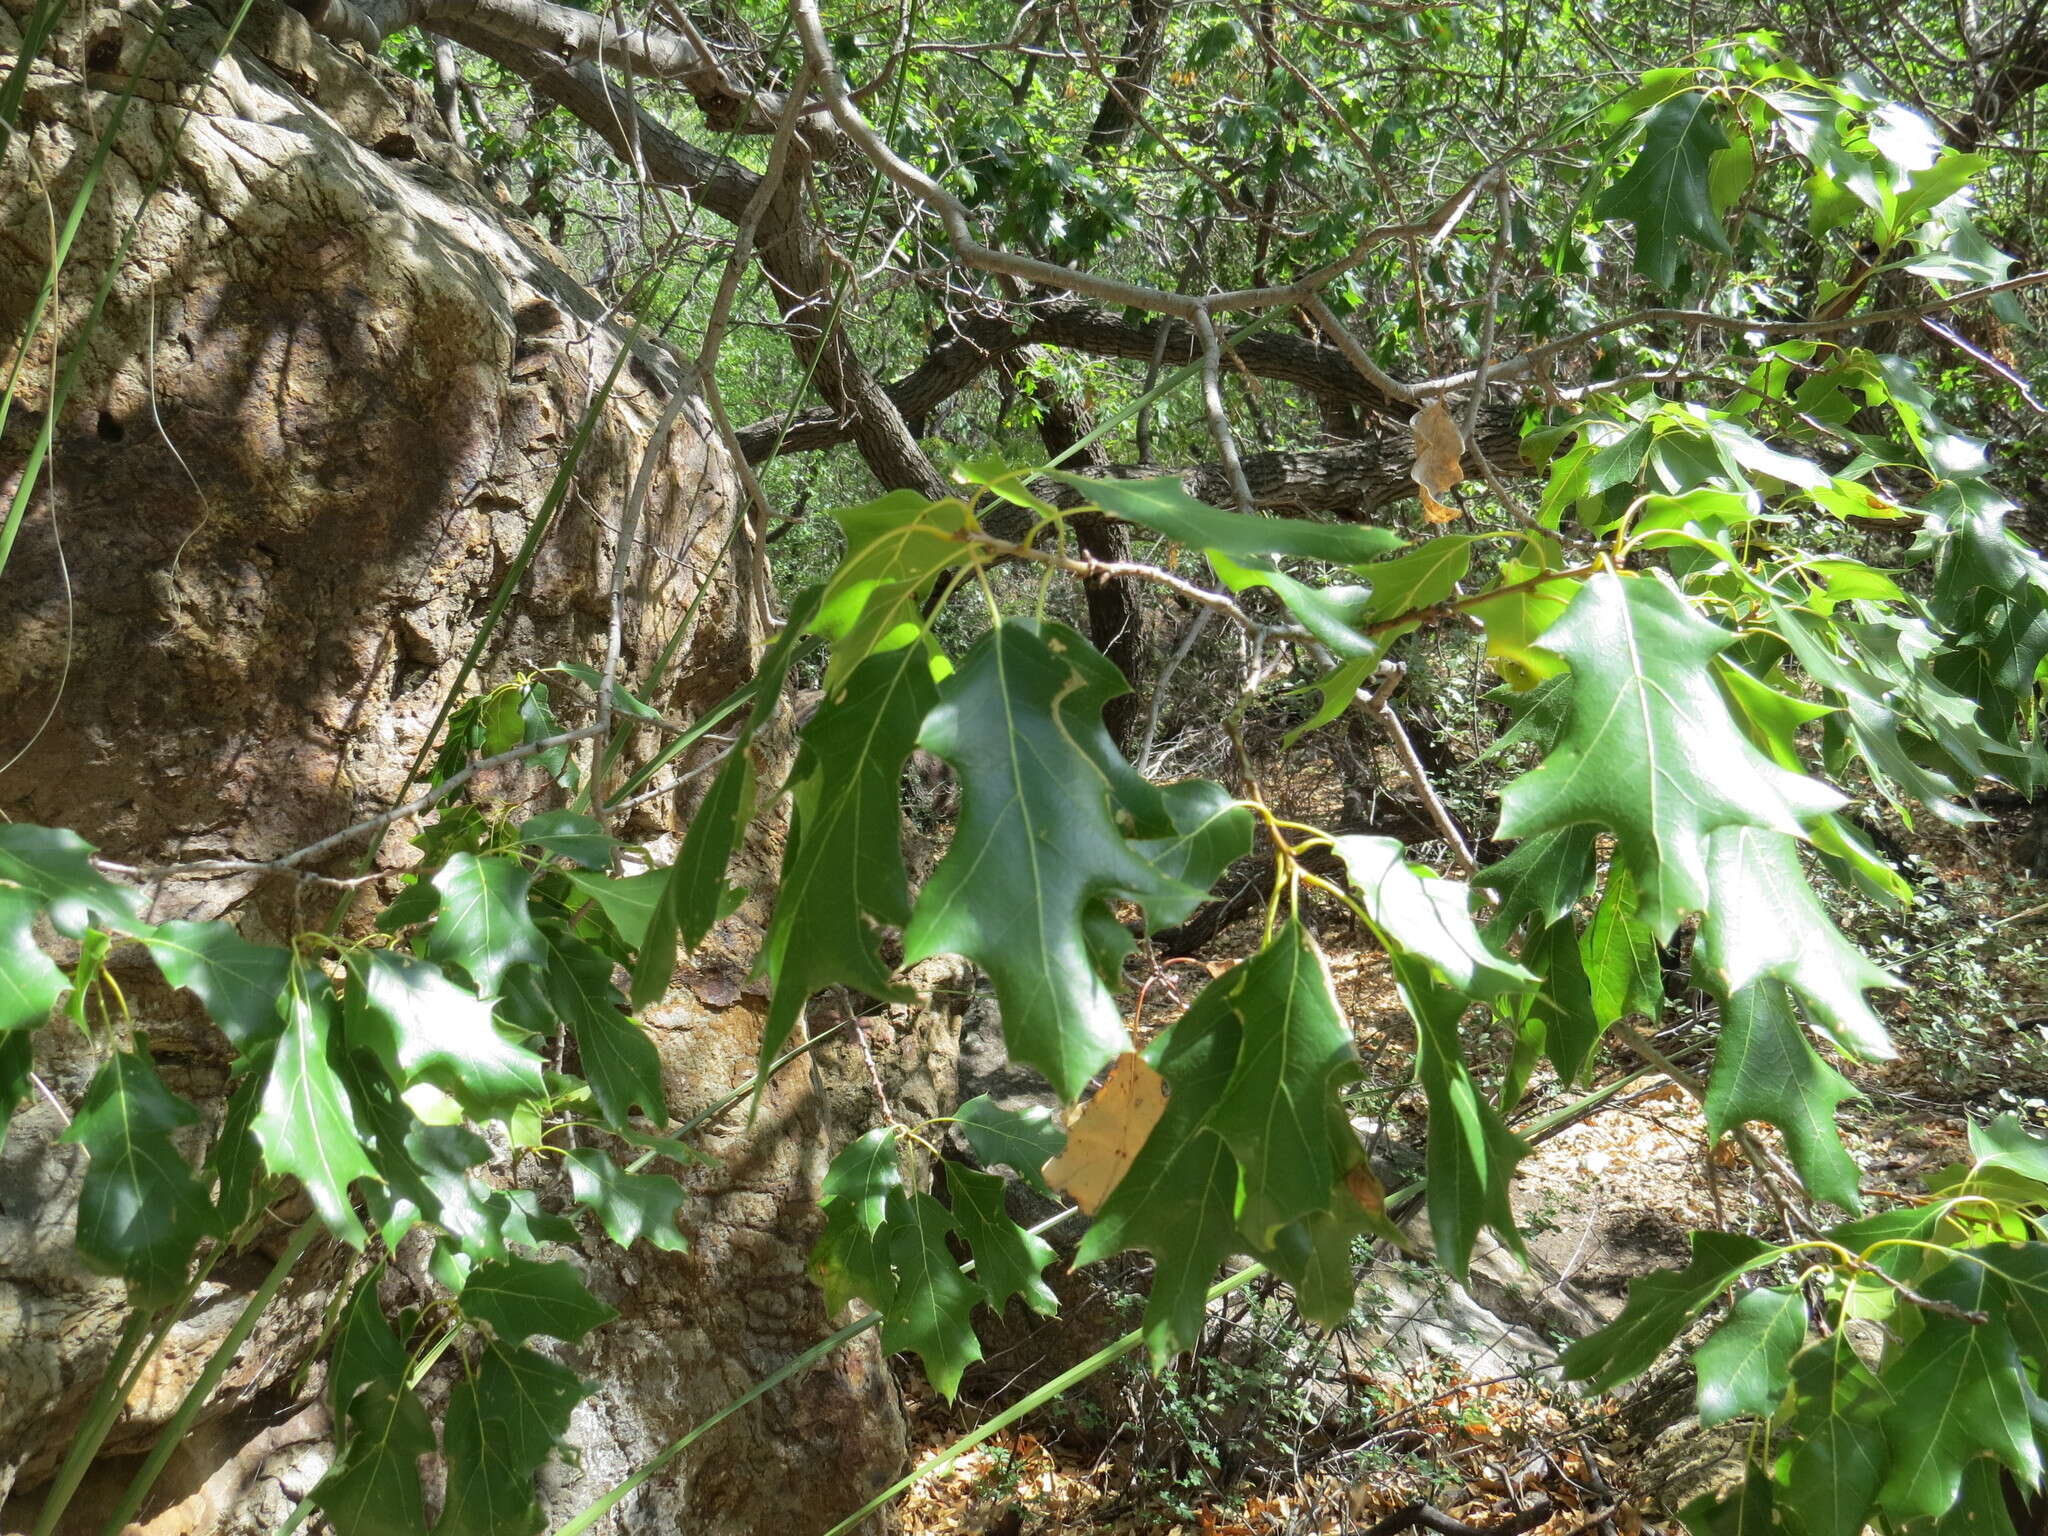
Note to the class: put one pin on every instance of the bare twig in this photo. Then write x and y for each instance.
(414, 807)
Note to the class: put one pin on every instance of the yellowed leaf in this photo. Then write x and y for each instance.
(1105, 1136)
(1439, 450)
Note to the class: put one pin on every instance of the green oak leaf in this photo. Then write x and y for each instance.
(931, 1309)
(1420, 913)
(1164, 506)
(1766, 1069)
(1471, 1152)
(1745, 1365)
(629, 903)
(1008, 1261)
(1178, 1199)
(1981, 1509)
(851, 1257)
(867, 1175)
(2009, 1142)
(1624, 966)
(843, 876)
(851, 1261)
(1746, 1510)
(1650, 749)
(1767, 923)
(518, 1298)
(483, 925)
(628, 1206)
(1518, 614)
(140, 1211)
(619, 1062)
(1024, 1140)
(234, 1164)
(17, 1062)
(1418, 578)
(1543, 878)
(365, 1349)
(1276, 1106)
(1563, 1001)
(424, 1028)
(697, 895)
(30, 982)
(502, 1420)
(895, 545)
(1037, 845)
(425, 1168)
(1959, 1390)
(55, 866)
(306, 1123)
(373, 1488)
(1331, 614)
(580, 839)
(238, 982)
(1666, 192)
(1839, 1458)
(1660, 1307)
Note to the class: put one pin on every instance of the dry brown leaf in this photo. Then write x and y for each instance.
(1439, 450)
(1105, 1136)
(1366, 1189)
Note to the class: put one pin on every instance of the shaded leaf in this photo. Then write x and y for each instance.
(1008, 1261)
(374, 1487)
(1667, 193)
(1745, 1364)
(1660, 1307)
(628, 1206)
(1471, 1152)
(842, 874)
(931, 1308)
(238, 982)
(1037, 845)
(1164, 506)
(1281, 1094)
(1765, 1069)
(1178, 1200)
(619, 1062)
(1958, 1391)
(580, 839)
(140, 1211)
(502, 1420)
(696, 895)
(518, 1298)
(1023, 1140)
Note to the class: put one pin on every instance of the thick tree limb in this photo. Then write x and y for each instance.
(570, 36)
(975, 342)
(792, 249)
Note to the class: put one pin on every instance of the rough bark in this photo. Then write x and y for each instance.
(331, 388)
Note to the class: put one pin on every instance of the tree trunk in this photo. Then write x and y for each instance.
(316, 424)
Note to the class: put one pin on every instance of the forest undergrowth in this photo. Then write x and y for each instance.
(1413, 1415)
